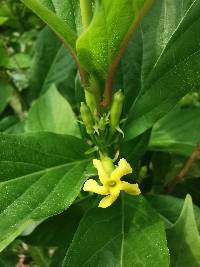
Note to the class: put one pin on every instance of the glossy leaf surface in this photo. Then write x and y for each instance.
(41, 175)
(129, 233)
(176, 132)
(51, 112)
(108, 33)
(184, 239)
(170, 64)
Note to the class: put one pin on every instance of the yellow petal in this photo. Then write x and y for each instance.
(103, 177)
(132, 189)
(123, 168)
(92, 186)
(107, 201)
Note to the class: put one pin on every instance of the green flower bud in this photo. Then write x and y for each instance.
(86, 117)
(90, 100)
(116, 110)
(107, 164)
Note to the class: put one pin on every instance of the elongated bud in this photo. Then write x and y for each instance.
(90, 100)
(86, 117)
(107, 164)
(116, 110)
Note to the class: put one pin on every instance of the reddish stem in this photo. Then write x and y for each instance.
(111, 73)
(82, 72)
(186, 168)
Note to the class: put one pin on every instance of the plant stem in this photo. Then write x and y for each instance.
(86, 12)
(180, 177)
(112, 69)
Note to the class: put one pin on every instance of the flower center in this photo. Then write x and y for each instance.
(112, 183)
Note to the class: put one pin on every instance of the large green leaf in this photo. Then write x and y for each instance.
(41, 175)
(129, 233)
(131, 70)
(170, 61)
(128, 71)
(62, 21)
(176, 132)
(5, 94)
(68, 10)
(184, 239)
(51, 112)
(58, 231)
(52, 63)
(108, 33)
(170, 208)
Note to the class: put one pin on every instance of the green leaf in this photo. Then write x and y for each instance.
(170, 207)
(8, 257)
(17, 128)
(19, 61)
(129, 233)
(184, 239)
(52, 64)
(58, 230)
(134, 150)
(68, 11)
(189, 186)
(4, 59)
(108, 34)
(51, 112)
(131, 70)
(167, 166)
(128, 71)
(3, 20)
(170, 61)
(7, 122)
(5, 94)
(176, 132)
(39, 256)
(45, 173)
(62, 28)
(58, 256)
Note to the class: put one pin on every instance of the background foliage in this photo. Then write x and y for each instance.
(45, 218)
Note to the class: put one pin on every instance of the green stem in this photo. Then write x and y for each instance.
(86, 12)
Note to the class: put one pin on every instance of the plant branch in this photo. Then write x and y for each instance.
(83, 74)
(186, 168)
(123, 46)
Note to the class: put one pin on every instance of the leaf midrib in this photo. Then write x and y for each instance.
(28, 218)
(45, 170)
(174, 66)
(161, 77)
(176, 29)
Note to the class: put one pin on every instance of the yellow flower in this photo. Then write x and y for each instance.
(110, 178)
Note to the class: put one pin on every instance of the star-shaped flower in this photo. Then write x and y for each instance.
(111, 182)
